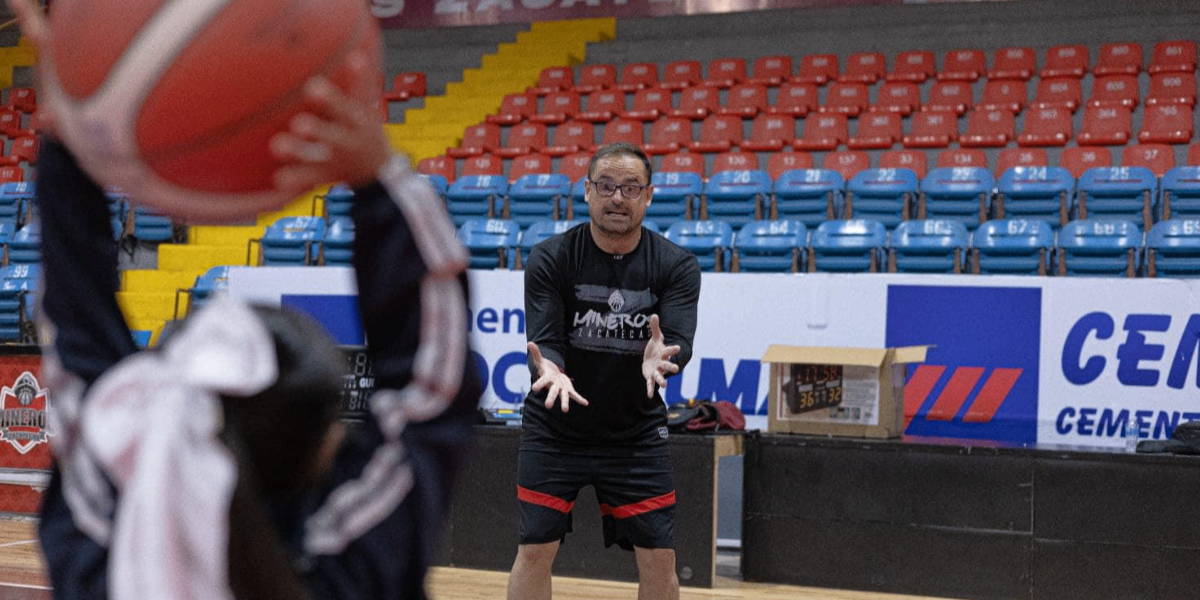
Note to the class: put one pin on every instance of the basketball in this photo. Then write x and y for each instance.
(174, 102)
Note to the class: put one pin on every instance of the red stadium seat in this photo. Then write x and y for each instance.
(528, 164)
(735, 161)
(681, 74)
(955, 96)
(1058, 93)
(10, 122)
(635, 76)
(770, 133)
(697, 102)
(1006, 94)
(782, 162)
(1078, 160)
(817, 69)
(523, 139)
(726, 72)
(1166, 124)
(624, 130)
(22, 99)
(745, 100)
(988, 128)
(1013, 63)
(514, 109)
(669, 134)
(846, 98)
(649, 104)
(1021, 157)
(771, 71)
(11, 174)
(406, 86)
(1159, 158)
(596, 77)
(557, 107)
(932, 129)
(795, 99)
(575, 165)
(1176, 56)
(476, 140)
(1193, 155)
(554, 79)
(683, 162)
(718, 133)
(1065, 61)
(900, 97)
(1172, 88)
(1115, 90)
(913, 160)
(913, 66)
(1108, 126)
(602, 106)
(35, 124)
(864, 67)
(1119, 59)
(822, 132)
(1046, 127)
(571, 137)
(877, 131)
(963, 65)
(847, 162)
(962, 157)
(484, 164)
(437, 165)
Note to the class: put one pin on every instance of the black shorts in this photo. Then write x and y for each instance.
(636, 496)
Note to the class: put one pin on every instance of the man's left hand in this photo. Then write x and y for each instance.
(656, 360)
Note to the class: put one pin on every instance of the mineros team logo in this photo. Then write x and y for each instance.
(23, 408)
(616, 301)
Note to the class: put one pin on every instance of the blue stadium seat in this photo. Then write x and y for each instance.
(537, 232)
(475, 197)
(1035, 193)
(536, 197)
(489, 241)
(17, 284)
(293, 241)
(1173, 248)
(736, 197)
(1181, 193)
(26, 245)
(811, 196)
(338, 247)
(149, 226)
(929, 246)
(209, 283)
(578, 201)
(1099, 248)
(850, 246)
(956, 193)
(1125, 193)
(437, 182)
(340, 198)
(771, 246)
(676, 196)
(884, 195)
(7, 228)
(650, 224)
(710, 241)
(1012, 247)
(141, 337)
(14, 197)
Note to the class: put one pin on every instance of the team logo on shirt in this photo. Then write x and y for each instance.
(616, 301)
(612, 320)
(23, 413)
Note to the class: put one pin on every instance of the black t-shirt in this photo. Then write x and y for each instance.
(589, 312)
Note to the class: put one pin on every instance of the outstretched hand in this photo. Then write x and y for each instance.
(656, 360)
(550, 376)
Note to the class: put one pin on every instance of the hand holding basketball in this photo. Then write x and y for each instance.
(550, 376)
(656, 359)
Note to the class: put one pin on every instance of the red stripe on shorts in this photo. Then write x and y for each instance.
(540, 499)
(637, 508)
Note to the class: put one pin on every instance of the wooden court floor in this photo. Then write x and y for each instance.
(23, 577)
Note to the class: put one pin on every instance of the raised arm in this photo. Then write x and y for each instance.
(546, 332)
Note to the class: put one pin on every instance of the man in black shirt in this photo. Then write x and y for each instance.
(611, 310)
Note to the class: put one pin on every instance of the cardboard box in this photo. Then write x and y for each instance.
(852, 392)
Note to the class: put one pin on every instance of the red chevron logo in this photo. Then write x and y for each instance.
(957, 391)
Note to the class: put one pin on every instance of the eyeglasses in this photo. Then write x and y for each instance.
(630, 191)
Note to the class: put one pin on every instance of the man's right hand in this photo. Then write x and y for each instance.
(551, 376)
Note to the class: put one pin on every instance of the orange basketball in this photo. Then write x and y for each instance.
(174, 101)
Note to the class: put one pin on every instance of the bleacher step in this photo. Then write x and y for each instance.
(198, 257)
(150, 306)
(152, 280)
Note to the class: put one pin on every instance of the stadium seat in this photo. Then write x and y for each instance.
(8, 227)
(525, 138)
(1078, 160)
(337, 249)
(808, 195)
(1125, 193)
(962, 157)
(151, 226)
(602, 106)
(1012, 247)
(1173, 248)
(484, 164)
(668, 135)
(1166, 124)
(649, 104)
(1119, 59)
(574, 166)
(1181, 193)
(11, 174)
(441, 166)
(845, 98)
(536, 233)
(794, 99)
(406, 86)
(849, 246)
(554, 79)
(963, 65)
(683, 162)
(899, 97)
(207, 285)
(1106, 126)
(1065, 61)
(770, 246)
(681, 74)
(1096, 248)
(477, 139)
(1013, 63)
(928, 246)
(1035, 193)
(475, 197)
(884, 195)
(817, 69)
(988, 129)
(710, 241)
(10, 123)
(913, 66)
(725, 73)
(22, 99)
(676, 196)
(1193, 155)
(770, 133)
(557, 107)
(339, 200)
(1114, 90)
(736, 197)
(914, 160)
(528, 164)
(15, 198)
(25, 148)
(635, 76)
(1021, 157)
(847, 163)
(534, 197)
(718, 133)
(864, 67)
(593, 78)
(1058, 93)
(877, 131)
(697, 102)
(822, 132)
(1046, 127)
(956, 193)
(932, 129)
(1156, 157)
(771, 71)
(623, 130)
(292, 241)
(780, 162)
(489, 242)
(1172, 88)
(571, 137)
(745, 100)
(1003, 94)
(953, 96)
(1175, 56)
(18, 284)
(735, 160)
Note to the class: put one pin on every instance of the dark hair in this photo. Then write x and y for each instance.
(619, 149)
